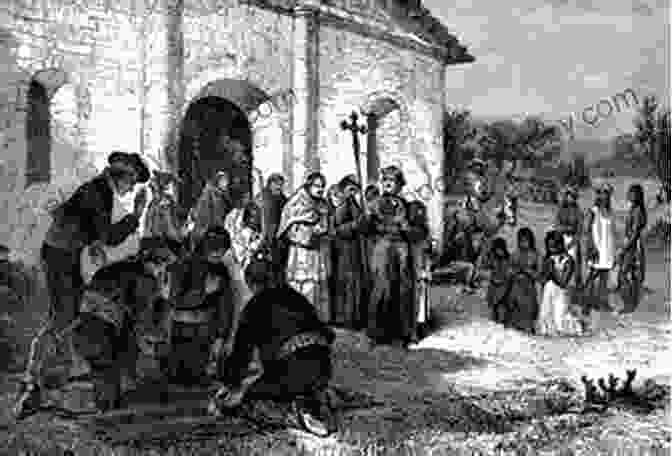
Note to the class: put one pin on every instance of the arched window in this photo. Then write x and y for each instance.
(38, 134)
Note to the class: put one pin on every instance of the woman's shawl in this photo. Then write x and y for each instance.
(244, 240)
(303, 209)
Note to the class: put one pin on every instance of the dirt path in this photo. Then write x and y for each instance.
(448, 392)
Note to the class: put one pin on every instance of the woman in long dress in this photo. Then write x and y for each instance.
(523, 300)
(348, 257)
(244, 227)
(632, 258)
(555, 316)
(304, 223)
(601, 241)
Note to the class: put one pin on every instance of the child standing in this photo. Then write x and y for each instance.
(555, 317)
(500, 281)
(523, 297)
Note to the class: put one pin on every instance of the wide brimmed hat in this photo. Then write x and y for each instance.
(393, 172)
(159, 249)
(129, 162)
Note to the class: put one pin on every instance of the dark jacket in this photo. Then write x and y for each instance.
(86, 217)
(270, 319)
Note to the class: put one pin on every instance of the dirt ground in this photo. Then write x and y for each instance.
(472, 387)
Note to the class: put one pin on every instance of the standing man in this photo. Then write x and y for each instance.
(83, 220)
(271, 200)
(349, 255)
(391, 319)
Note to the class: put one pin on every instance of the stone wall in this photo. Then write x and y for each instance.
(109, 57)
(107, 80)
(356, 72)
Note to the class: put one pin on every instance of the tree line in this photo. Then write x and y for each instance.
(533, 143)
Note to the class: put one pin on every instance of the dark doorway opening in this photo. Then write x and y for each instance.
(38, 134)
(215, 135)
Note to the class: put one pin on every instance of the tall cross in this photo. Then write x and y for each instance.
(356, 129)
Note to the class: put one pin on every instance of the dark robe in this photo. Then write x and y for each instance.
(116, 310)
(271, 210)
(633, 260)
(391, 305)
(294, 346)
(348, 256)
(498, 289)
(523, 300)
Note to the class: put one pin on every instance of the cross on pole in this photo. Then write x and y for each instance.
(355, 129)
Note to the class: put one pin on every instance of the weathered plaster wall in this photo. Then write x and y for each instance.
(356, 71)
(111, 59)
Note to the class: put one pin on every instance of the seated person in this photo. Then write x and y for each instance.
(203, 309)
(294, 347)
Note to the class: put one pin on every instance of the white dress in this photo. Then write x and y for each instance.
(555, 317)
(603, 231)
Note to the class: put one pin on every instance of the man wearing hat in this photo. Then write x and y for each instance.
(569, 221)
(391, 318)
(85, 219)
(349, 285)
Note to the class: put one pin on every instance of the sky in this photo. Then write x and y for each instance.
(557, 57)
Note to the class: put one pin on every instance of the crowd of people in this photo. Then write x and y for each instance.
(260, 280)
(554, 292)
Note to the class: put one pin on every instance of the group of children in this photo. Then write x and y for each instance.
(513, 297)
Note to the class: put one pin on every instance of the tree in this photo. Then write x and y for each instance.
(458, 130)
(526, 141)
(653, 138)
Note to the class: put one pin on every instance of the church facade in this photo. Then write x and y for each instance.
(253, 86)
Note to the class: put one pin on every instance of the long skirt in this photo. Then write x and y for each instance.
(498, 302)
(631, 278)
(555, 317)
(391, 311)
(523, 304)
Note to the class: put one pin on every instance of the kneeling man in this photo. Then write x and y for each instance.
(294, 348)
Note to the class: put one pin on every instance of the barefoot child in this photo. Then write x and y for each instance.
(500, 282)
(555, 317)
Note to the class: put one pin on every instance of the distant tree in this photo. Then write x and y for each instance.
(458, 130)
(526, 141)
(653, 138)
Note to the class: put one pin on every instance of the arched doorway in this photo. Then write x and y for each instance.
(383, 118)
(215, 135)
